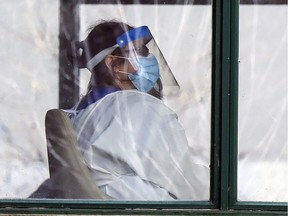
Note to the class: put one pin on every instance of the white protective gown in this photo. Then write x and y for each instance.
(137, 150)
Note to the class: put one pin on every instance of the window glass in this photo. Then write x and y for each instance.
(29, 87)
(183, 34)
(127, 139)
(262, 163)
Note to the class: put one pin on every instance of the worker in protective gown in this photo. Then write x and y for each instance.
(131, 142)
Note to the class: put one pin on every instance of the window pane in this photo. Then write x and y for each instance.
(262, 174)
(183, 34)
(136, 146)
(29, 87)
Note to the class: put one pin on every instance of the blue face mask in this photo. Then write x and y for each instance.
(147, 74)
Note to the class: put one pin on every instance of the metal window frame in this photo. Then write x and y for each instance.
(223, 195)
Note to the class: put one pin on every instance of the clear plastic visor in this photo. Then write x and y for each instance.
(138, 47)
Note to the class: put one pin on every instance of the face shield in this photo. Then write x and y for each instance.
(149, 67)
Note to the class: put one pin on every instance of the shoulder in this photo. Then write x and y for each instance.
(124, 112)
(131, 101)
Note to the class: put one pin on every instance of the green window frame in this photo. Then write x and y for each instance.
(224, 110)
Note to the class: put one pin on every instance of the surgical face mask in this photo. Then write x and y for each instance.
(147, 74)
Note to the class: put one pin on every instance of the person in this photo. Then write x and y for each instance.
(130, 140)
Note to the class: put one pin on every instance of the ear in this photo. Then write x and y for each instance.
(109, 61)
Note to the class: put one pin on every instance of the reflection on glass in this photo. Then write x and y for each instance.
(262, 174)
(28, 88)
(142, 123)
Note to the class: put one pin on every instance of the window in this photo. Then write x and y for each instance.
(262, 129)
(246, 117)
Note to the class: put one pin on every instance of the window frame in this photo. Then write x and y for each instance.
(224, 114)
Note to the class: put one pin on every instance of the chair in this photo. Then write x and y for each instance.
(69, 176)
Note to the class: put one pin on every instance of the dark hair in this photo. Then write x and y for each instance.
(101, 36)
(157, 90)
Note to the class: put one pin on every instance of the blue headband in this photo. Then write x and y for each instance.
(122, 41)
(132, 35)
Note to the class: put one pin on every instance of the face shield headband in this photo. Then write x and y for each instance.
(133, 35)
(121, 41)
